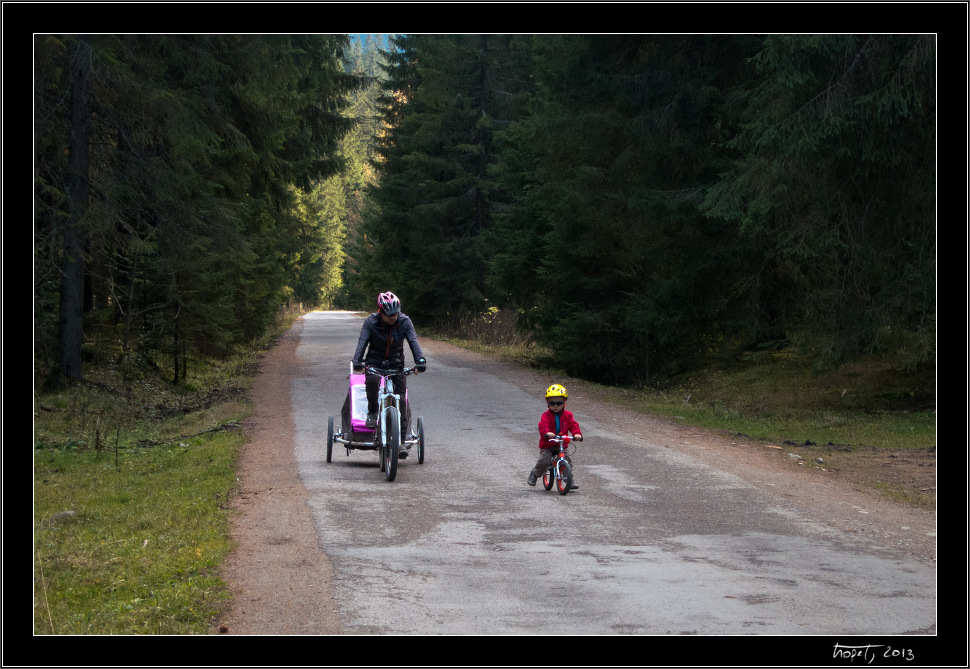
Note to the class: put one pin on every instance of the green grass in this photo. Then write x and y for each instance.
(132, 482)
(823, 427)
(132, 544)
(780, 397)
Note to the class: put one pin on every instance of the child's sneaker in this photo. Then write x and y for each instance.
(532, 478)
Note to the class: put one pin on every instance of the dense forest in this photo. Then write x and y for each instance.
(641, 204)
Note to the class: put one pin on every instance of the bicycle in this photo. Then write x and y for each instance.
(385, 437)
(559, 473)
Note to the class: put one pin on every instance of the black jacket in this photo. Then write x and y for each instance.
(386, 342)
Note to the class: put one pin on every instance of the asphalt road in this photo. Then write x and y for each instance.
(652, 542)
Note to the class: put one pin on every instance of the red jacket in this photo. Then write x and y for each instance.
(547, 423)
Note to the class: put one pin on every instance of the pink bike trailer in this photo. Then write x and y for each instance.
(354, 413)
(358, 403)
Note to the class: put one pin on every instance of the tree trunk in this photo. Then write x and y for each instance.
(72, 278)
(176, 344)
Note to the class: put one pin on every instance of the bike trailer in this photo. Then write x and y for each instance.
(354, 411)
(358, 403)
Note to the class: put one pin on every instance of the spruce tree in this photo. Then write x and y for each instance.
(196, 146)
(834, 183)
(627, 277)
(435, 197)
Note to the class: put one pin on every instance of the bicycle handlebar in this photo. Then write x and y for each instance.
(383, 371)
(379, 371)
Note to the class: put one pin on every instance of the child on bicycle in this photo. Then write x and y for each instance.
(552, 423)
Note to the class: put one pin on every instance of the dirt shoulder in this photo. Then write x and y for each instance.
(282, 581)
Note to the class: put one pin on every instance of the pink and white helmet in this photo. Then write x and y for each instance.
(388, 303)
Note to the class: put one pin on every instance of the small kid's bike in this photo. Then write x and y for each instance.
(559, 472)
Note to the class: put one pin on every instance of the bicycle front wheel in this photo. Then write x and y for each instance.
(392, 443)
(564, 477)
(420, 440)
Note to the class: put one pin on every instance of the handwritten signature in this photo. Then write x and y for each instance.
(869, 652)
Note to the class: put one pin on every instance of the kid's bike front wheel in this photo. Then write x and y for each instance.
(564, 477)
(392, 444)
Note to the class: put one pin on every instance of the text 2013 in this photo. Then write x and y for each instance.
(869, 653)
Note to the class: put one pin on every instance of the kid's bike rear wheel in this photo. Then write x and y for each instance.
(330, 439)
(564, 477)
(548, 478)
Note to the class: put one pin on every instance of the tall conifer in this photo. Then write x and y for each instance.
(834, 182)
(435, 196)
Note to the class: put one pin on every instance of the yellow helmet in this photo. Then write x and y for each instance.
(556, 390)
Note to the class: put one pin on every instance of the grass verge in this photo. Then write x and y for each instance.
(132, 479)
(130, 543)
(778, 397)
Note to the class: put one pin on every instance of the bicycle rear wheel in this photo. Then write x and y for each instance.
(330, 439)
(564, 478)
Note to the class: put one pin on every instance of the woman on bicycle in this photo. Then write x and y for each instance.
(381, 344)
(552, 423)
